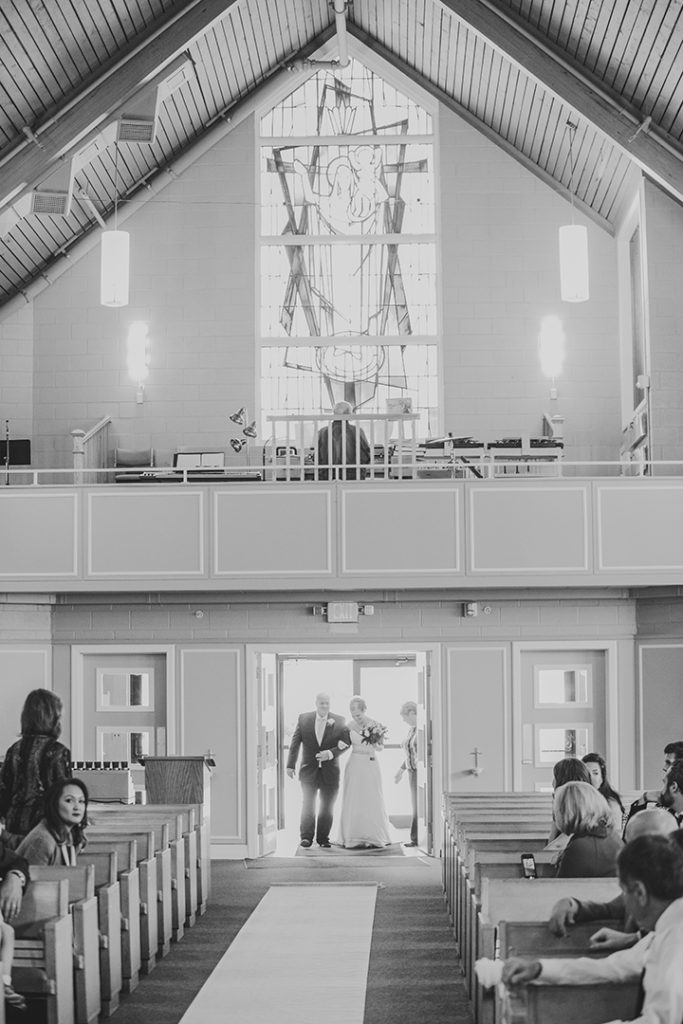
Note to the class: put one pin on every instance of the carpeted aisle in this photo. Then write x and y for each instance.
(326, 954)
(413, 974)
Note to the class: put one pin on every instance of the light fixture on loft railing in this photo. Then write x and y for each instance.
(573, 244)
(115, 255)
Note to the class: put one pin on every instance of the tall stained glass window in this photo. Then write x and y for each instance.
(348, 248)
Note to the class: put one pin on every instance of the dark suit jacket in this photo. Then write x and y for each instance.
(9, 861)
(355, 448)
(304, 739)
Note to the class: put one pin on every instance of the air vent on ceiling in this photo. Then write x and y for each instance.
(57, 204)
(136, 129)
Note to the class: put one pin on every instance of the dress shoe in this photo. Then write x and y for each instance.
(325, 846)
(305, 843)
(410, 844)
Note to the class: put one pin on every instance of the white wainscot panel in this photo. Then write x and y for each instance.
(389, 530)
(270, 531)
(40, 534)
(529, 529)
(639, 525)
(146, 533)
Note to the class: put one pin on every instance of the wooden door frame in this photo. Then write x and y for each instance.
(610, 650)
(353, 649)
(78, 652)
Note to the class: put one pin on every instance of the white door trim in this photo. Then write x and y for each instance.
(433, 652)
(78, 652)
(609, 647)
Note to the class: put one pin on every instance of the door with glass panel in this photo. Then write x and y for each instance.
(561, 711)
(124, 710)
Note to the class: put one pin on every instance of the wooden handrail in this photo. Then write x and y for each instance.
(91, 448)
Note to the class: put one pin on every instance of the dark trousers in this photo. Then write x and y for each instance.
(327, 793)
(412, 781)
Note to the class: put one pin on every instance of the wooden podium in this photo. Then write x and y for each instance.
(179, 780)
(186, 780)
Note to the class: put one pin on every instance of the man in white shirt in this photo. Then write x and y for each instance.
(651, 880)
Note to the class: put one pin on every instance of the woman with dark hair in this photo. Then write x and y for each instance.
(32, 765)
(569, 769)
(58, 837)
(597, 768)
(581, 812)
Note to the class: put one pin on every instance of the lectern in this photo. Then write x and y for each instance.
(186, 780)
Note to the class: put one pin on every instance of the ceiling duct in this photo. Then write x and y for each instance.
(138, 122)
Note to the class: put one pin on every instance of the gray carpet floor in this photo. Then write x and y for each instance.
(413, 976)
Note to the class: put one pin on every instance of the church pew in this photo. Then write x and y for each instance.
(183, 841)
(128, 877)
(149, 886)
(506, 899)
(159, 830)
(493, 864)
(85, 933)
(108, 892)
(570, 1004)
(173, 822)
(562, 1003)
(42, 951)
(197, 855)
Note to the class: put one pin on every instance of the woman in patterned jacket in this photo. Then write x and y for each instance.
(32, 765)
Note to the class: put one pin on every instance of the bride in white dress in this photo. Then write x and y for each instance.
(362, 818)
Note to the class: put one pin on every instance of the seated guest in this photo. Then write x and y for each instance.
(13, 879)
(650, 872)
(349, 447)
(59, 837)
(597, 768)
(569, 769)
(671, 796)
(673, 752)
(583, 814)
(568, 911)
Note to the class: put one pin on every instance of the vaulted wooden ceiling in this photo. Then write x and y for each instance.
(74, 72)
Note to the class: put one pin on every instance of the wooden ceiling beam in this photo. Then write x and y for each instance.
(51, 141)
(655, 155)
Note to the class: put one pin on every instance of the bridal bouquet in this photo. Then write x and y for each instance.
(373, 734)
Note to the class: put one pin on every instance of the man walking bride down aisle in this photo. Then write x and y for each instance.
(322, 737)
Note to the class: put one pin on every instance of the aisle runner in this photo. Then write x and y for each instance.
(302, 957)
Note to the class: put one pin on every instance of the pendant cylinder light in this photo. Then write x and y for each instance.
(115, 268)
(573, 244)
(574, 263)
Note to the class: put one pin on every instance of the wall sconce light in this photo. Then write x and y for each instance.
(240, 417)
(551, 349)
(573, 245)
(115, 257)
(250, 431)
(237, 444)
(138, 357)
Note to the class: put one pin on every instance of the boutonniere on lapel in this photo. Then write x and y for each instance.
(330, 721)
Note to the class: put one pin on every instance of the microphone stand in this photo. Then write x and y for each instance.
(6, 453)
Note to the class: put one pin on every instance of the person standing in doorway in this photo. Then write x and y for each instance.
(409, 715)
(322, 737)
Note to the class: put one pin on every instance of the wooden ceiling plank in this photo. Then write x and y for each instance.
(623, 26)
(40, 51)
(58, 29)
(403, 29)
(638, 57)
(234, 58)
(671, 114)
(210, 61)
(452, 29)
(665, 64)
(595, 49)
(92, 106)
(655, 157)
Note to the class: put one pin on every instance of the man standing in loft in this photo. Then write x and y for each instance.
(322, 737)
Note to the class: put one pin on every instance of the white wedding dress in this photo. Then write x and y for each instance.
(362, 818)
